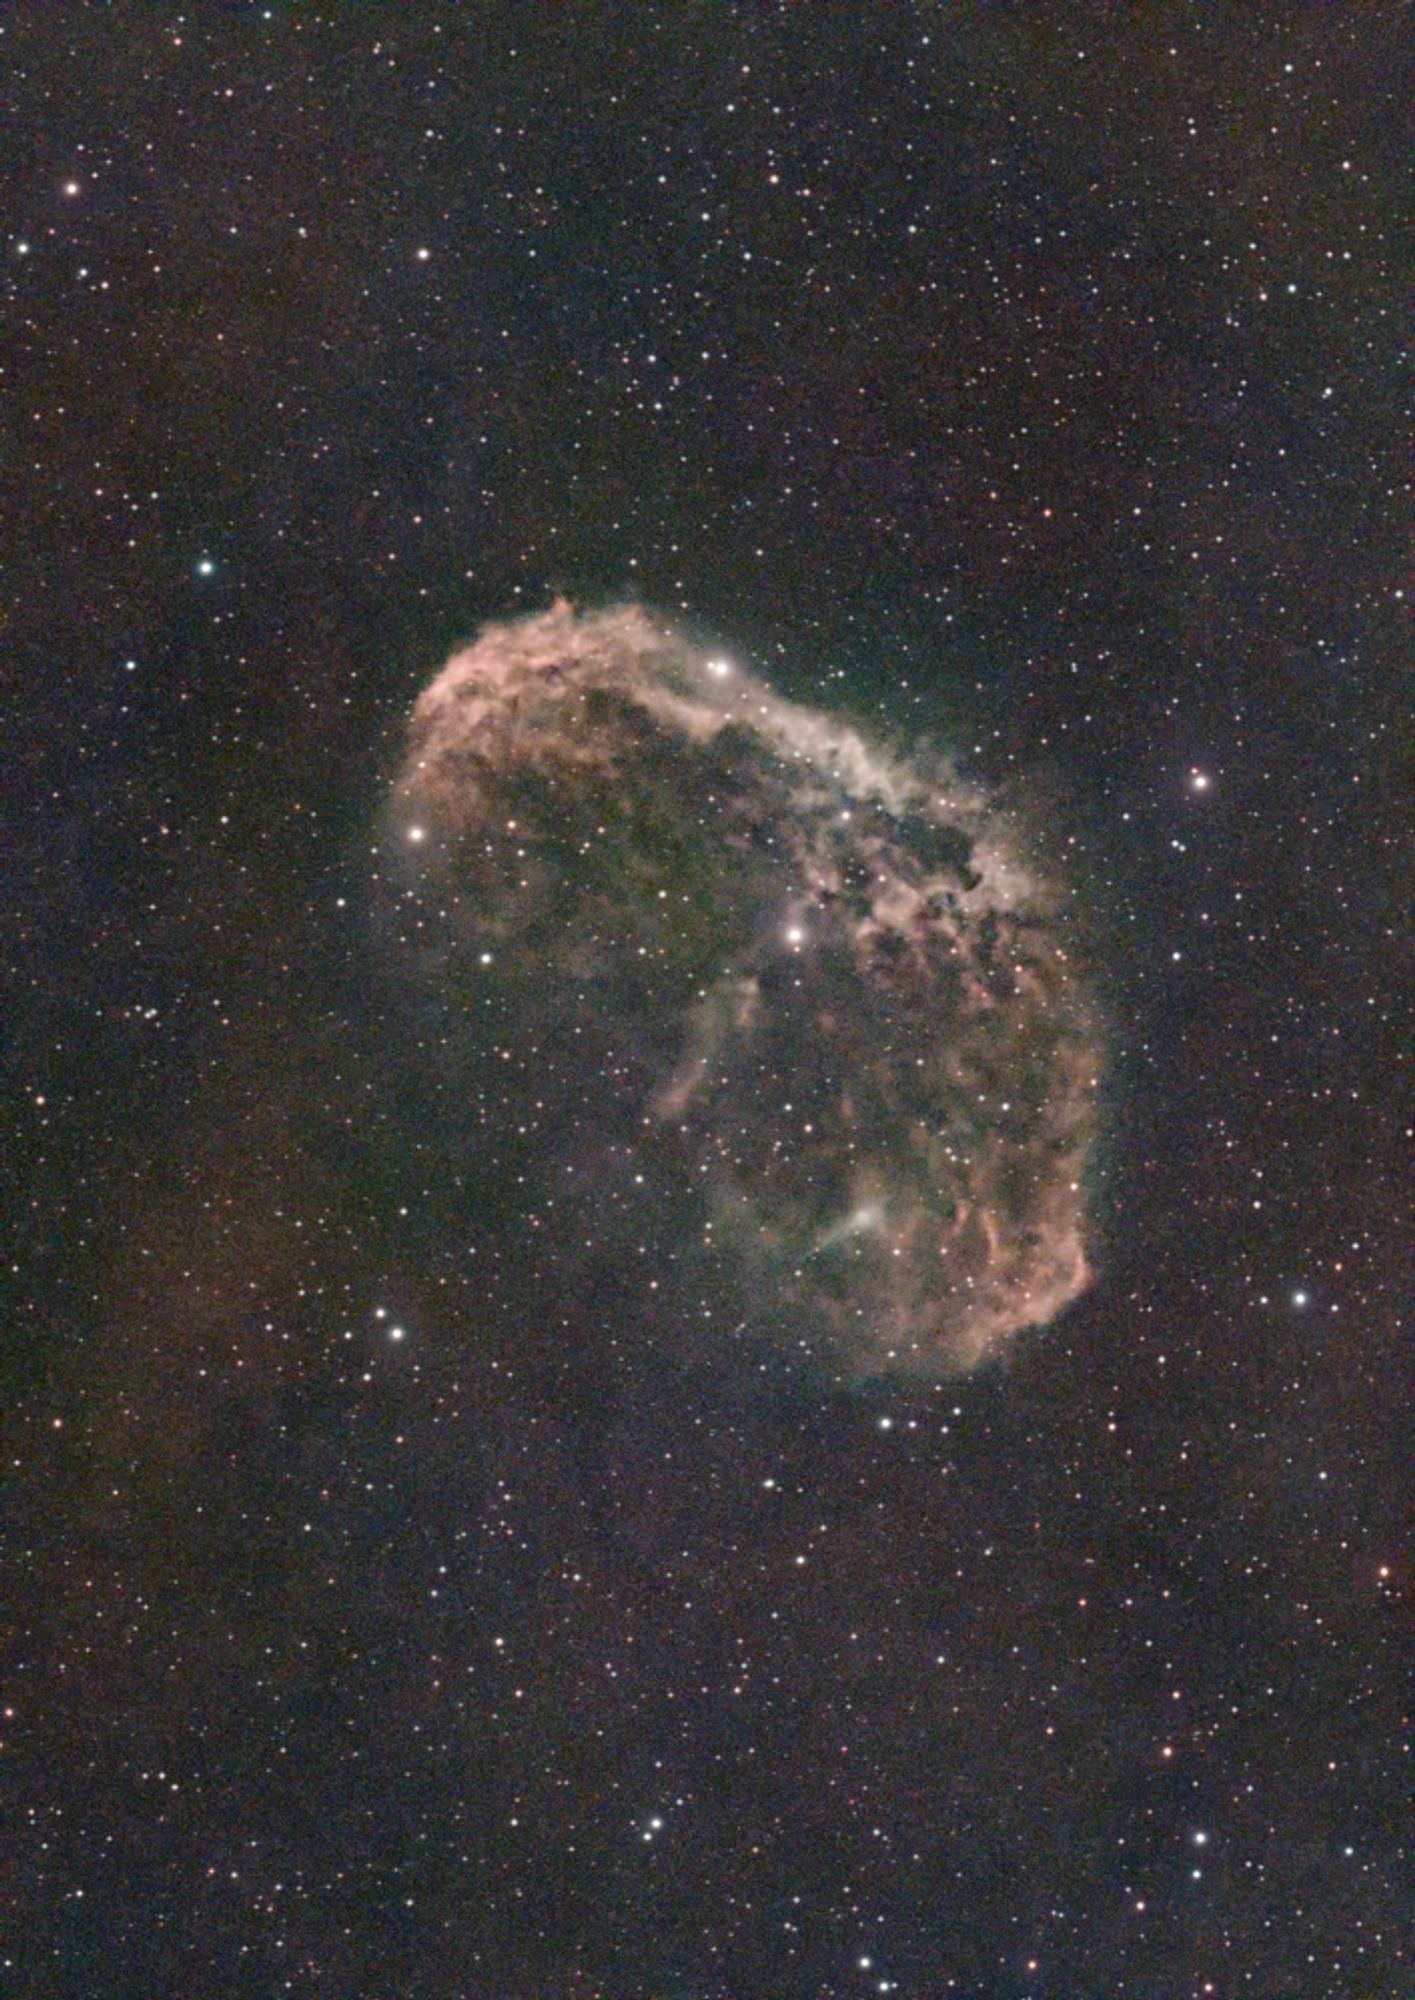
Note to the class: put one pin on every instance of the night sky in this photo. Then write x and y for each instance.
(402, 1598)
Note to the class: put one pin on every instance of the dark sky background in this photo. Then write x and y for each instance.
(1022, 376)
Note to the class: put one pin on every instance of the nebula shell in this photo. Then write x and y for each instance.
(672, 933)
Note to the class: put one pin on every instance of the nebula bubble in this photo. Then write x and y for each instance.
(720, 985)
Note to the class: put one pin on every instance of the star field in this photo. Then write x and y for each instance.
(422, 1576)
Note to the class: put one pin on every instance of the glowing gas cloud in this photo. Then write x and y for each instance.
(743, 992)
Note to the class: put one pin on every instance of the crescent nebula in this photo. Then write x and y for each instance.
(699, 964)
